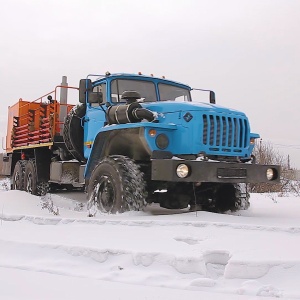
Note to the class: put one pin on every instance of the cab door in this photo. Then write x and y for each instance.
(95, 119)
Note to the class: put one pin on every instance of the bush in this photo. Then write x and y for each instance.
(265, 153)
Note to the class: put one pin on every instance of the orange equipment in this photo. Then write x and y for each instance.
(36, 123)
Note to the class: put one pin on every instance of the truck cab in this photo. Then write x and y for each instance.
(181, 126)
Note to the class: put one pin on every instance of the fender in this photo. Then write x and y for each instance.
(129, 142)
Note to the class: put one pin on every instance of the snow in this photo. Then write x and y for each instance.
(153, 254)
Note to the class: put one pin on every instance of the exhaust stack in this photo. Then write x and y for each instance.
(63, 102)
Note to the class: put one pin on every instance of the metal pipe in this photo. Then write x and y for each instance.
(63, 100)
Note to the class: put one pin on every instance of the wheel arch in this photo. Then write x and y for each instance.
(128, 142)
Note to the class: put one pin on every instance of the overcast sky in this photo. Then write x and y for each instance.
(246, 51)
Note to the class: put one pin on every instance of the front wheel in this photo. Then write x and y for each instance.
(117, 185)
(221, 197)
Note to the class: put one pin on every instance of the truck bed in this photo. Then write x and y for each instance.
(34, 124)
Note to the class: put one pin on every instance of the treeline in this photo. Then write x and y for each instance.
(265, 153)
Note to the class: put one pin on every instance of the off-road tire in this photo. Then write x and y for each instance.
(221, 197)
(31, 184)
(242, 197)
(18, 175)
(116, 186)
(237, 199)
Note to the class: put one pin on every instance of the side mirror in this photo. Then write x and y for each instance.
(85, 86)
(212, 97)
(95, 97)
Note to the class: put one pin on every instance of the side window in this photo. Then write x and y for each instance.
(115, 93)
(101, 88)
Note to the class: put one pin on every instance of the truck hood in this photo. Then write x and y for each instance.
(167, 107)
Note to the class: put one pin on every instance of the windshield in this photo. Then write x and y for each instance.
(145, 88)
(174, 93)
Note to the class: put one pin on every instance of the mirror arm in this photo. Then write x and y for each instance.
(212, 95)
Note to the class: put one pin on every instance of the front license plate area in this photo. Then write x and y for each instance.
(231, 173)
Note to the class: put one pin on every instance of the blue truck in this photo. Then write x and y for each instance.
(132, 140)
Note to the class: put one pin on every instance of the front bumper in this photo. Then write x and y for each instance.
(207, 171)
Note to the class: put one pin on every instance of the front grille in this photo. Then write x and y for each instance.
(224, 133)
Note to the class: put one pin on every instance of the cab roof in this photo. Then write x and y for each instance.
(141, 77)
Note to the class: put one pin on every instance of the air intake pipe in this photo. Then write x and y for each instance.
(128, 113)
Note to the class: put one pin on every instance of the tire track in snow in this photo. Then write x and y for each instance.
(104, 263)
(205, 271)
(146, 223)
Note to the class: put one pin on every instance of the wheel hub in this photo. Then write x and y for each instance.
(105, 194)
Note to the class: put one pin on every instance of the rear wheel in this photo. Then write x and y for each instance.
(32, 185)
(117, 185)
(18, 175)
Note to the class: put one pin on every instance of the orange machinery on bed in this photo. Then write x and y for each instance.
(36, 123)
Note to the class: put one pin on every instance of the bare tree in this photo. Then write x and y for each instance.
(265, 153)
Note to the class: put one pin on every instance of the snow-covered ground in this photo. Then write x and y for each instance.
(155, 254)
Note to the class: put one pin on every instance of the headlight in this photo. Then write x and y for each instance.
(182, 171)
(162, 141)
(270, 174)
